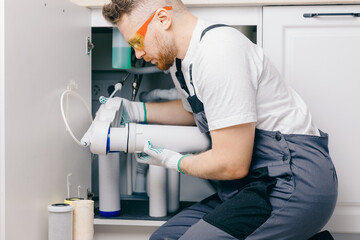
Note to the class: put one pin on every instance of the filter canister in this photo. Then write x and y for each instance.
(83, 219)
(60, 221)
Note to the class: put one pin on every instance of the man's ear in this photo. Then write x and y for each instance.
(164, 18)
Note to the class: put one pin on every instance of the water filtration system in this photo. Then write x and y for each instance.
(103, 137)
(108, 135)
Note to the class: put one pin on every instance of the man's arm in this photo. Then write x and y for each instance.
(170, 113)
(229, 158)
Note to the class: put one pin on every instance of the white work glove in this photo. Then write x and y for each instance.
(133, 111)
(160, 157)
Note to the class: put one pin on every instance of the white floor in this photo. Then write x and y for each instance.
(338, 236)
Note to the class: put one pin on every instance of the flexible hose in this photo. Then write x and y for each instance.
(159, 94)
(143, 70)
(63, 113)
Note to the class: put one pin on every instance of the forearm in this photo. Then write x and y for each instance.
(229, 158)
(170, 113)
(209, 165)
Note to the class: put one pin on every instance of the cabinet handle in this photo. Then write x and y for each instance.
(310, 15)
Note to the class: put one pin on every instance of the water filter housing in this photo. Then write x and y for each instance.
(182, 139)
(107, 137)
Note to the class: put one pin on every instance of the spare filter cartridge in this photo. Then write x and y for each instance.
(60, 221)
(83, 219)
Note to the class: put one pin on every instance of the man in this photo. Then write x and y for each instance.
(275, 176)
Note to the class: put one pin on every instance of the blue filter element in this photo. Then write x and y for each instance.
(108, 142)
(109, 184)
(109, 214)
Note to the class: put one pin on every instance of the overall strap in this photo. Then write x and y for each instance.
(180, 76)
(212, 27)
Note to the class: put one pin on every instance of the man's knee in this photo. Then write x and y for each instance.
(168, 232)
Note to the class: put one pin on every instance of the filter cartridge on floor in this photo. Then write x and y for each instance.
(60, 221)
(83, 220)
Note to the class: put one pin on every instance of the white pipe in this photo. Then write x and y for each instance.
(109, 184)
(68, 184)
(183, 139)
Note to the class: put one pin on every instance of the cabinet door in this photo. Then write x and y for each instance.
(45, 48)
(319, 57)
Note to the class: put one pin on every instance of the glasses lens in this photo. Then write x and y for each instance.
(137, 41)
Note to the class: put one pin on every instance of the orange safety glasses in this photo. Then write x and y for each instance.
(137, 41)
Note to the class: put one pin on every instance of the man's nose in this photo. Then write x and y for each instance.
(139, 53)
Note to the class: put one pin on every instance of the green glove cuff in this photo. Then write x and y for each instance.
(144, 112)
(178, 164)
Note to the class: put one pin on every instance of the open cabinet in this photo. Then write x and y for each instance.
(140, 226)
(44, 51)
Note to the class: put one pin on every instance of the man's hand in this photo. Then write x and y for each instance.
(160, 157)
(133, 111)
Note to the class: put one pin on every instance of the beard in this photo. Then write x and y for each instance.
(167, 54)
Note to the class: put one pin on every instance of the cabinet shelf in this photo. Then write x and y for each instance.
(135, 213)
(125, 222)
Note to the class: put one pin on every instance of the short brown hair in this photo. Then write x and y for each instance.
(114, 10)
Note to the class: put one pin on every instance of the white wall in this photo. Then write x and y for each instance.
(2, 123)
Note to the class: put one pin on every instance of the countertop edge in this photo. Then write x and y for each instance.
(226, 3)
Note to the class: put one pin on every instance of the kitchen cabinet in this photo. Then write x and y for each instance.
(246, 19)
(318, 57)
(44, 51)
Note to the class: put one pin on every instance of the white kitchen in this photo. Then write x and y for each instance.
(56, 62)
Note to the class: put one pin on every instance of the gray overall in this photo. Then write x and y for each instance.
(289, 193)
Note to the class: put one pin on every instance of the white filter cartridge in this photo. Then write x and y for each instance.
(60, 222)
(83, 220)
(157, 191)
(109, 184)
(140, 178)
(173, 190)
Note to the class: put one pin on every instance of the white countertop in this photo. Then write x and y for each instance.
(198, 3)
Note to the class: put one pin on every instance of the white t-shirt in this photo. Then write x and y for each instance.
(237, 84)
